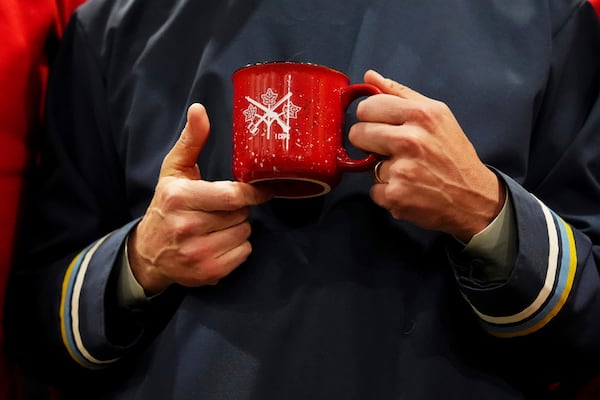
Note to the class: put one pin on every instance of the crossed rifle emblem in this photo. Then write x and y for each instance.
(269, 111)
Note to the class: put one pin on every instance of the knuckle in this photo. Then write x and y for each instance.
(440, 106)
(408, 145)
(394, 86)
(397, 197)
(202, 251)
(423, 114)
(180, 228)
(189, 256)
(431, 114)
(406, 172)
(170, 194)
(212, 271)
(202, 272)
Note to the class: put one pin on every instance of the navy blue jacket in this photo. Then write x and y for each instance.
(338, 300)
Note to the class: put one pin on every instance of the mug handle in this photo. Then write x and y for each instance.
(344, 161)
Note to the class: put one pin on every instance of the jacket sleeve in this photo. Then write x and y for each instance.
(550, 303)
(61, 303)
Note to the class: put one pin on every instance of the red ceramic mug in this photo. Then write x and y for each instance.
(288, 123)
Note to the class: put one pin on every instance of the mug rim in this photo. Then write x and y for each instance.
(299, 63)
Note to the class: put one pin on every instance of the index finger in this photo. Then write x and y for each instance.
(389, 86)
(209, 196)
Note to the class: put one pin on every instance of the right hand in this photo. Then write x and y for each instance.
(194, 232)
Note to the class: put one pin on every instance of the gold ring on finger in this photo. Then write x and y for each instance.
(377, 171)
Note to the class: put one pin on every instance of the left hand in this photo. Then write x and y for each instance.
(433, 175)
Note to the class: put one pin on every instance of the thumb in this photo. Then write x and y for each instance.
(182, 158)
(389, 86)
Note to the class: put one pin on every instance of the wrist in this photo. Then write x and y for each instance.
(146, 273)
(486, 206)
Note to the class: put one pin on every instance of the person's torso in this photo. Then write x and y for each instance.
(338, 299)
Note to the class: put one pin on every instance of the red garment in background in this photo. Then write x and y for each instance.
(26, 29)
(596, 4)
